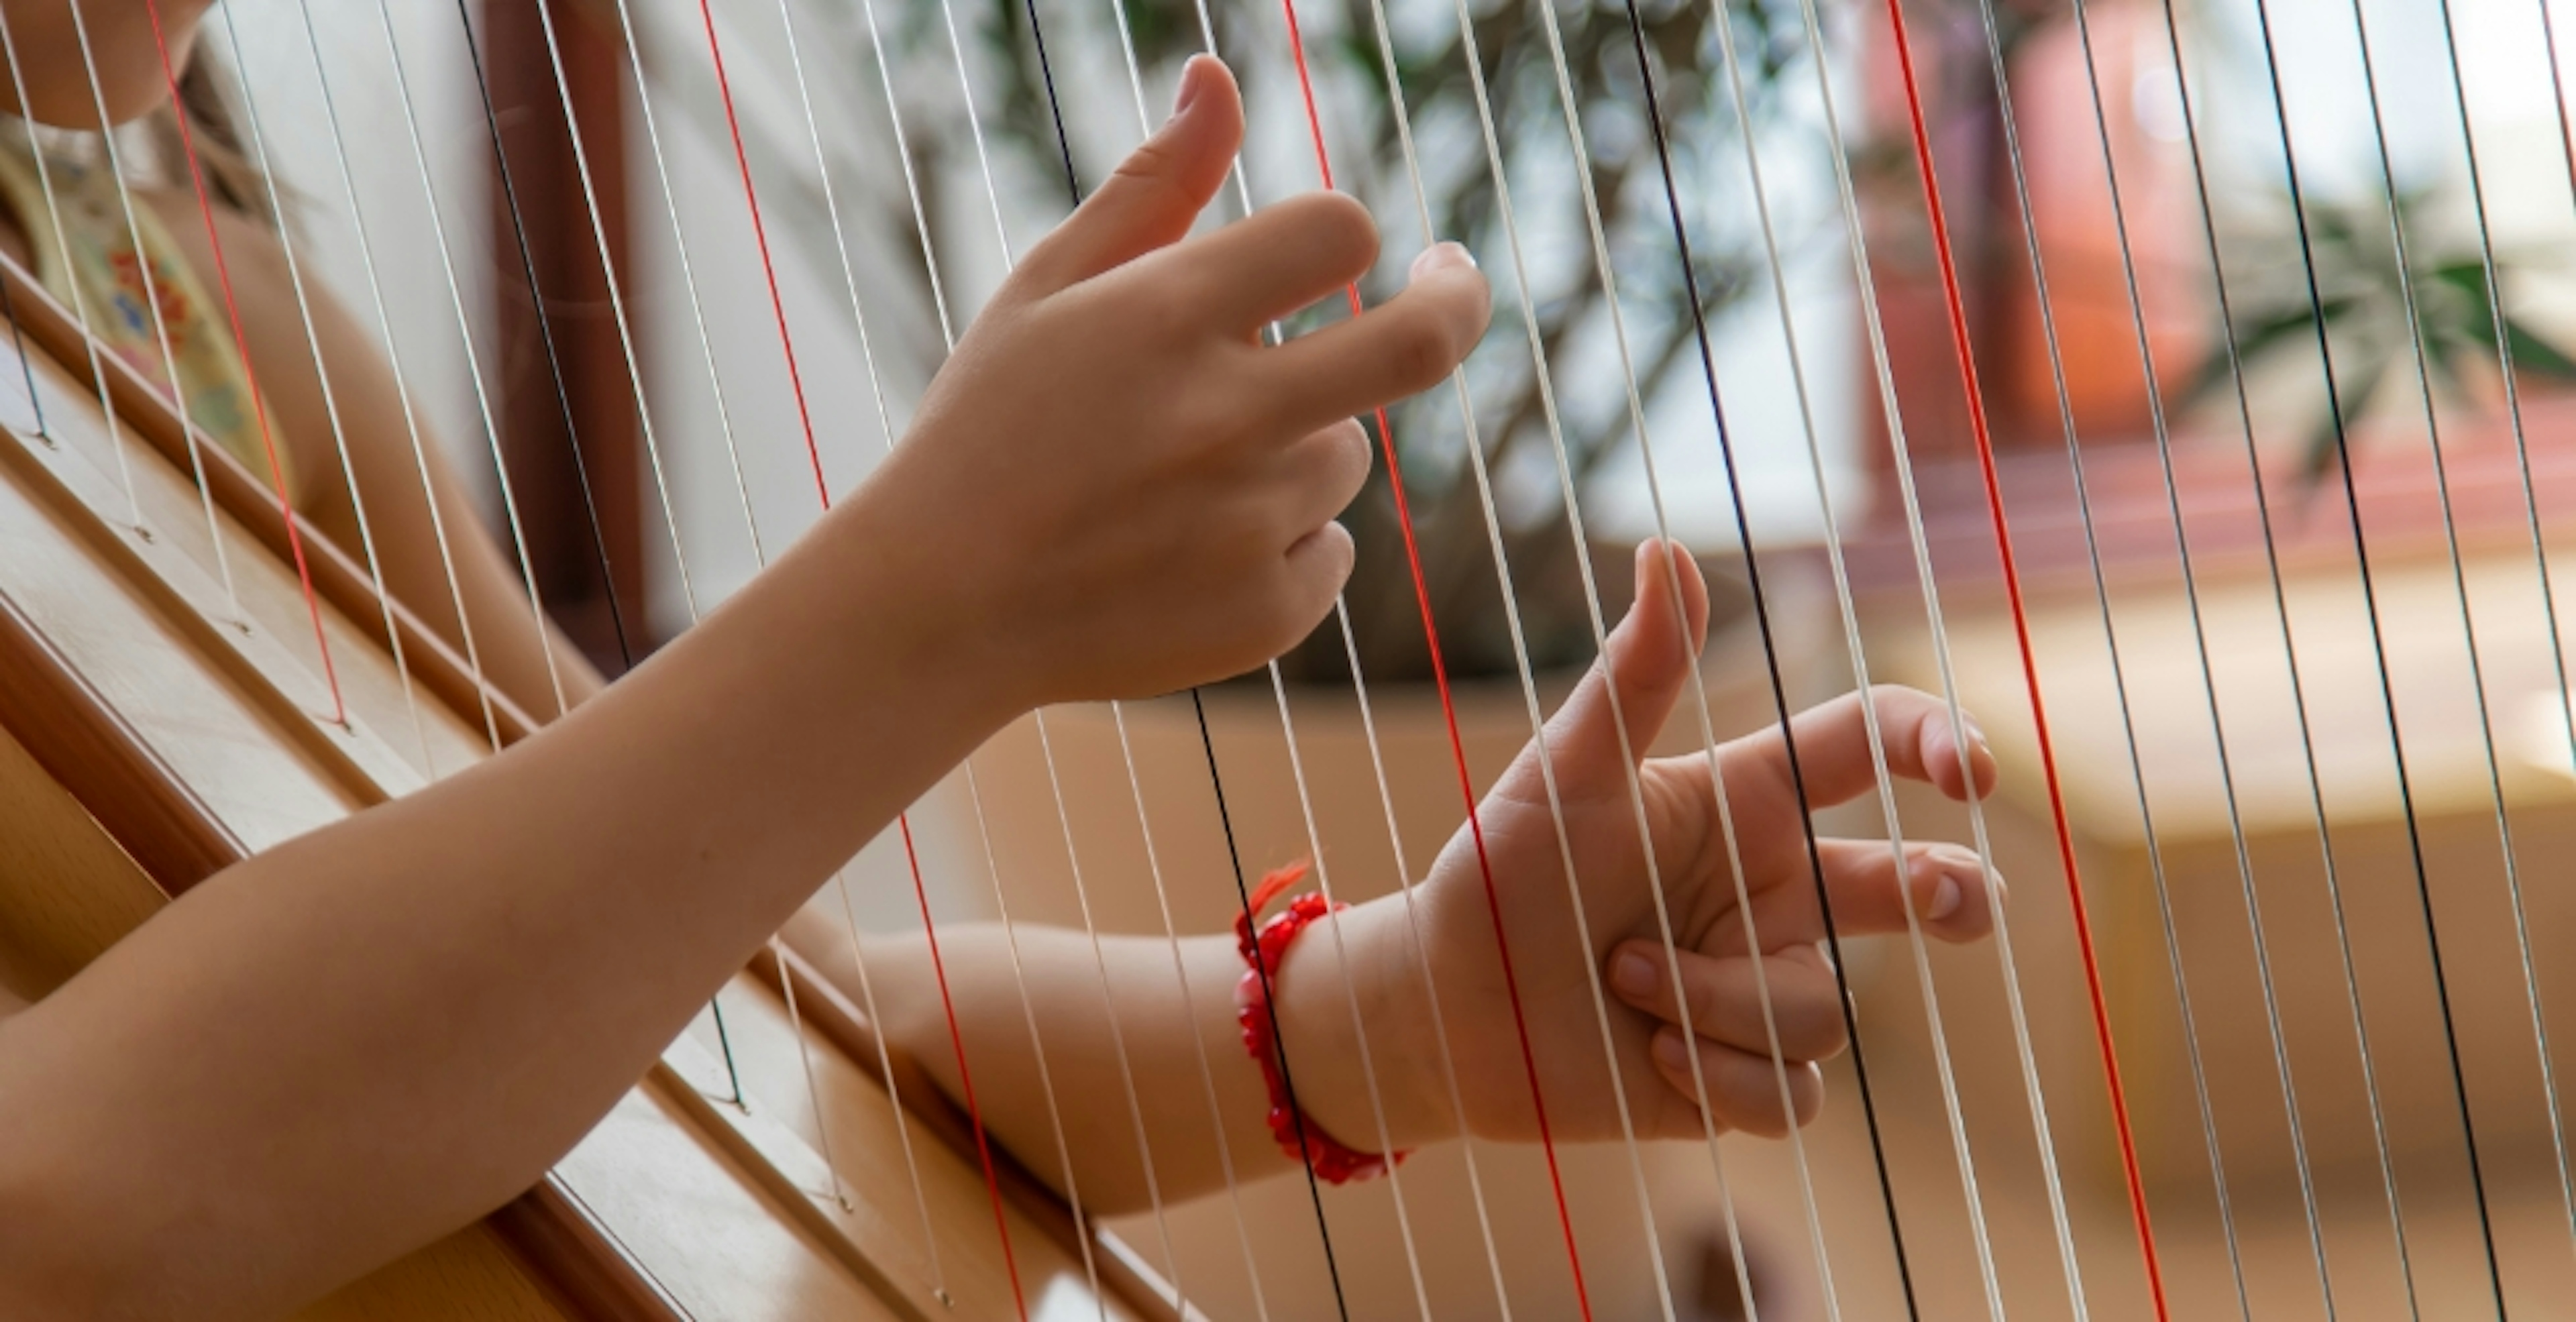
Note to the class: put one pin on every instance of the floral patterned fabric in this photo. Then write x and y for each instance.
(83, 241)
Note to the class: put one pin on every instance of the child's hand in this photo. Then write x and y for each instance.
(1120, 488)
(1948, 890)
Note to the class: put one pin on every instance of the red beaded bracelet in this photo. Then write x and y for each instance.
(1298, 1134)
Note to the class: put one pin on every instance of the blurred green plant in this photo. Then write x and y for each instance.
(2362, 303)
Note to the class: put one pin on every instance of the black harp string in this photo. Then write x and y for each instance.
(2119, 675)
(1359, 690)
(1207, 743)
(2379, 647)
(1770, 652)
(1306, 810)
(1278, 1046)
(546, 336)
(2450, 532)
(465, 334)
(2281, 611)
(572, 440)
(2548, 598)
(1126, 1073)
(483, 689)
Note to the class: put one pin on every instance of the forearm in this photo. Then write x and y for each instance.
(406, 1017)
(1176, 1035)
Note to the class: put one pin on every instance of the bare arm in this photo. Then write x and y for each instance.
(392, 1025)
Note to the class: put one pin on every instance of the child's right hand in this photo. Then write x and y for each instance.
(1119, 488)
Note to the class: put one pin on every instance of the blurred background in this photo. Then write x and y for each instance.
(903, 153)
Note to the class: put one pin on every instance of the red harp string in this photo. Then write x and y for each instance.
(250, 377)
(1977, 422)
(1449, 712)
(903, 822)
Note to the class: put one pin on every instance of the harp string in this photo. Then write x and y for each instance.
(1288, 729)
(2540, 564)
(1117, 1037)
(79, 300)
(1180, 977)
(2299, 703)
(921, 893)
(2450, 533)
(2191, 593)
(473, 359)
(331, 408)
(974, 791)
(2030, 671)
(2379, 648)
(1368, 724)
(1577, 535)
(1690, 644)
(160, 330)
(617, 308)
(1449, 715)
(1770, 652)
(975, 794)
(581, 471)
(411, 422)
(250, 376)
(1875, 337)
(2244, 865)
(393, 359)
(546, 337)
(885, 425)
(688, 272)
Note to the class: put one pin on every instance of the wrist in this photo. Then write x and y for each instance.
(1335, 1055)
(915, 611)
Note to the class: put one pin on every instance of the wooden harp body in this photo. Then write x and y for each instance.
(155, 727)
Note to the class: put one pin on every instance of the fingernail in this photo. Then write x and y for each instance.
(1976, 732)
(1633, 974)
(1442, 256)
(1668, 1049)
(1193, 80)
(1957, 868)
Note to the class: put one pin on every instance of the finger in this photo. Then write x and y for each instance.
(1278, 260)
(1834, 748)
(1316, 567)
(1652, 655)
(1156, 193)
(1953, 897)
(1743, 1088)
(1721, 997)
(1324, 473)
(1402, 347)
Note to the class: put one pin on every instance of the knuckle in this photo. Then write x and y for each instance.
(1351, 460)
(1422, 353)
(1150, 169)
(1338, 232)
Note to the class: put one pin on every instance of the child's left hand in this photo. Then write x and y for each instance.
(1948, 889)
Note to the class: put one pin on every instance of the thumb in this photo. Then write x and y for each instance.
(1650, 664)
(1156, 193)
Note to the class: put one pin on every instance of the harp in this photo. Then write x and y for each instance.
(2288, 740)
